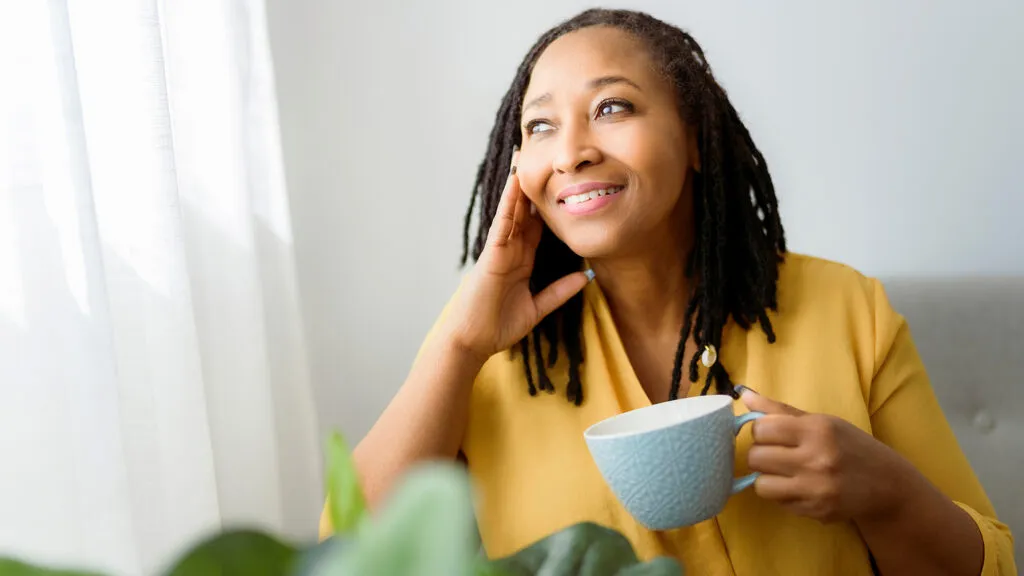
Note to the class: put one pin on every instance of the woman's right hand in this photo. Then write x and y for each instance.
(495, 308)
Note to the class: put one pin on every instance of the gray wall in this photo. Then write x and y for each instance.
(893, 130)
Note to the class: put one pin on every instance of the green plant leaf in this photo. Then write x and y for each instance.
(319, 558)
(239, 552)
(344, 495)
(426, 529)
(484, 567)
(660, 566)
(11, 567)
(585, 549)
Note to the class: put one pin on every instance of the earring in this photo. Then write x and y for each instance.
(709, 356)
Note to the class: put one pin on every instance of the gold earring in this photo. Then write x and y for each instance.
(709, 356)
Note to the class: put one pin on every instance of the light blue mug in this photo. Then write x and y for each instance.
(671, 464)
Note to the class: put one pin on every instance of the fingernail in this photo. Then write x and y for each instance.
(740, 389)
(533, 209)
(589, 273)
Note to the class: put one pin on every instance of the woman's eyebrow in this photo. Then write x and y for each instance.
(609, 80)
(542, 99)
(592, 85)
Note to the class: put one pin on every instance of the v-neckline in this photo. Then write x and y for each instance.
(634, 390)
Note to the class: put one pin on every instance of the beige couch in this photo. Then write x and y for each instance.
(970, 333)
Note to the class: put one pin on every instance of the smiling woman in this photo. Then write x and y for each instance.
(629, 246)
(606, 120)
(593, 113)
(635, 103)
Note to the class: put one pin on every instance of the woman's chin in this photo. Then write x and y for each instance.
(593, 248)
(594, 240)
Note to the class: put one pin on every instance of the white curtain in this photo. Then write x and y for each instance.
(153, 379)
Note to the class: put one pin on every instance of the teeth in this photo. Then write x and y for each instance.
(588, 196)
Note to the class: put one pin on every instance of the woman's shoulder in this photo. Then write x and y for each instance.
(808, 279)
(821, 272)
(816, 291)
(834, 324)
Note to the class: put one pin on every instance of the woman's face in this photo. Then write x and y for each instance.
(605, 155)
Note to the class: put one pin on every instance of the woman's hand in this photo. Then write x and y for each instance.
(821, 466)
(495, 308)
(825, 468)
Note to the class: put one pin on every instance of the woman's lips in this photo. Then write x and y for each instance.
(588, 199)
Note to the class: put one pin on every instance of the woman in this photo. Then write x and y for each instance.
(629, 252)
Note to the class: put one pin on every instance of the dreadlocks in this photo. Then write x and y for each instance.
(739, 241)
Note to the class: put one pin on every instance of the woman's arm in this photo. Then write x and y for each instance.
(906, 485)
(945, 516)
(425, 421)
(923, 532)
(493, 309)
(825, 468)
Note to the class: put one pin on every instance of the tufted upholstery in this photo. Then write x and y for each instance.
(970, 333)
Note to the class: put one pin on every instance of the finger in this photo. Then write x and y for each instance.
(522, 204)
(755, 401)
(559, 292)
(779, 488)
(532, 226)
(777, 430)
(505, 215)
(797, 507)
(777, 460)
(521, 218)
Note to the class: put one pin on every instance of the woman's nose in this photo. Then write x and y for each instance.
(575, 151)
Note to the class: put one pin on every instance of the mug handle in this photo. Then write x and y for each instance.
(744, 482)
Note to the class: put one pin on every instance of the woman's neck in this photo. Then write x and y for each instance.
(646, 287)
(647, 294)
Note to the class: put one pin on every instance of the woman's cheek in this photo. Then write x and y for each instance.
(531, 180)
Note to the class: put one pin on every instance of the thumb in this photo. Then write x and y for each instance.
(559, 292)
(757, 403)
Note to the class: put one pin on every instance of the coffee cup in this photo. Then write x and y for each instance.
(671, 464)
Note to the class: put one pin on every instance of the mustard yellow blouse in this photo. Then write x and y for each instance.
(841, 349)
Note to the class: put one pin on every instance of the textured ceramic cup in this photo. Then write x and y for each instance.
(671, 464)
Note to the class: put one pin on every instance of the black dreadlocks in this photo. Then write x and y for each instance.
(739, 241)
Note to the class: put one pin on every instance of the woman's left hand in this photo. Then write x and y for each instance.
(821, 466)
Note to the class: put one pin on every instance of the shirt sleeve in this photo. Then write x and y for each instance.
(326, 530)
(906, 415)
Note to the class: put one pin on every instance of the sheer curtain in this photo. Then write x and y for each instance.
(153, 381)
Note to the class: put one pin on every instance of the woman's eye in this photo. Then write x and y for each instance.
(538, 126)
(614, 107)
